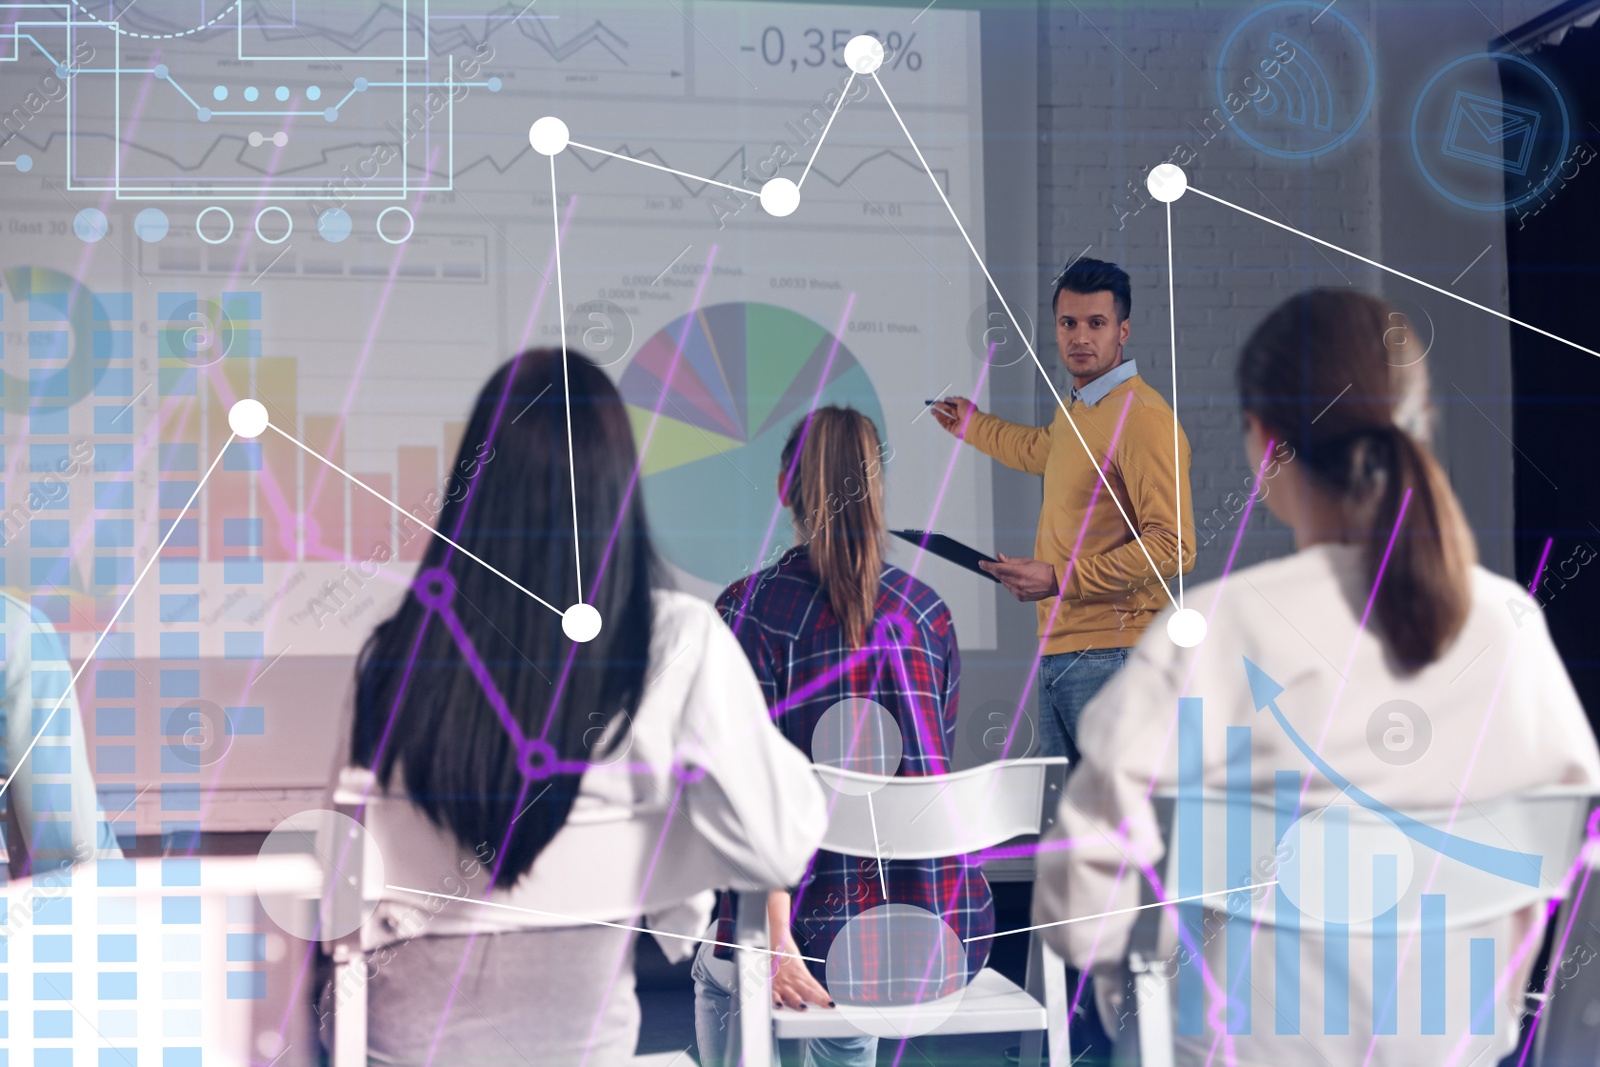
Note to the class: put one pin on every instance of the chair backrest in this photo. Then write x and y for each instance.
(607, 869)
(934, 815)
(1364, 861)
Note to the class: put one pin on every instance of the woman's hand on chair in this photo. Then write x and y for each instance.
(792, 984)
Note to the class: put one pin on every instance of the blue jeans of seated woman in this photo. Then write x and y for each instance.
(1067, 682)
(715, 1017)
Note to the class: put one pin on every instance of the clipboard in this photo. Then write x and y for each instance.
(948, 548)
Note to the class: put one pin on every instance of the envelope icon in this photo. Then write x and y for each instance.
(1491, 133)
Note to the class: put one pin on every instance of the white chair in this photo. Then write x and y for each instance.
(619, 884)
(920, 818)
(1547, 824)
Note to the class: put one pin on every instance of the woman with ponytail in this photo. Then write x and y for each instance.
(860, 669)
(1419, 676)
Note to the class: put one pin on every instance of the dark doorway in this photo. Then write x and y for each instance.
(1553, 258)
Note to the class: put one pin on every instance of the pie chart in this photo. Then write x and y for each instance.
(722, 387)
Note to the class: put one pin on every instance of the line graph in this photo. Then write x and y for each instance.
(782, 202)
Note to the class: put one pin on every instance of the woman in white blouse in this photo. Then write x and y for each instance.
(493, 723)
(1382, 601)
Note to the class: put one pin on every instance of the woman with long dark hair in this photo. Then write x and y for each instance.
(858, 660)
(1418, 676)
(475, 705)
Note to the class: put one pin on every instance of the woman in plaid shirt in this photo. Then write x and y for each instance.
(859, 664)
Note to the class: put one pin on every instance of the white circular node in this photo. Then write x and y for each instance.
(198, 219)
(780, 197)
(247, 418)
(331, 850)
(857, 734)
(1187, 627)
(581, 622)
(863, 54)
(1167, 182)
(288, 225)
(411, 224)
(548, 136)
(255, 139)
(896, 970)
(1343, 863)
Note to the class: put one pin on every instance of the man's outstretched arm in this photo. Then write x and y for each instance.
(1019, 447)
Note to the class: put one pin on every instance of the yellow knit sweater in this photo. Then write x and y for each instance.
(1110, 592)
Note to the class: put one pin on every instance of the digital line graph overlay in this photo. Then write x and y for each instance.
(1126, 911)
(1513, 866)
(1374, 263)
(72, 684)
(601, 922)
(417, 103)
(781, 197)
(246, 416)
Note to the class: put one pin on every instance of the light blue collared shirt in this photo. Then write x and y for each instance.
(52, 792)
(1096, 390)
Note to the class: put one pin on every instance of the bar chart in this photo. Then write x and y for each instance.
(1367, 931)
(299, 509)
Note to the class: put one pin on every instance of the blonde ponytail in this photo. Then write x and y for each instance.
(833, 483)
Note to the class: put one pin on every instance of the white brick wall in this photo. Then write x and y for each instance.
(1102, 125)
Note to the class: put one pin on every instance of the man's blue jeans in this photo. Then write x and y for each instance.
(1067, 682)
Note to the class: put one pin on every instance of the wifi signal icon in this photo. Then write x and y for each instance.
(1301, 91)
(1295, 79)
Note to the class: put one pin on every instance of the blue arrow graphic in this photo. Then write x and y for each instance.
(1520, 867)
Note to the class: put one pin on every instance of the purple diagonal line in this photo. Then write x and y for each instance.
(1196, 953)
(449, 550)
(416, 647)
(649, 876)
(480, 671)
(1461, 798)
(605, 559)
(633, 482)
(1077, 547)
(84, 260)
(1355, 644)
(788, 475)
(1012, 852)
(655, 416)
(472, 938)
(949, 471)
(935, 957)
(1216, 599)
(286, 516)
(505, 394)
(377, 758)
(1207, 978)
(627, 496)
(366, 351)
(283, 511)
(422, 628)
(1535, 935)
(1538, 572)
(1361, 628)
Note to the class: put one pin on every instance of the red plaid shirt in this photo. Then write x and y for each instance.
(910, 666)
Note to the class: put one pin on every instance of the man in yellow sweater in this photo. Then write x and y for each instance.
(1097, 584)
